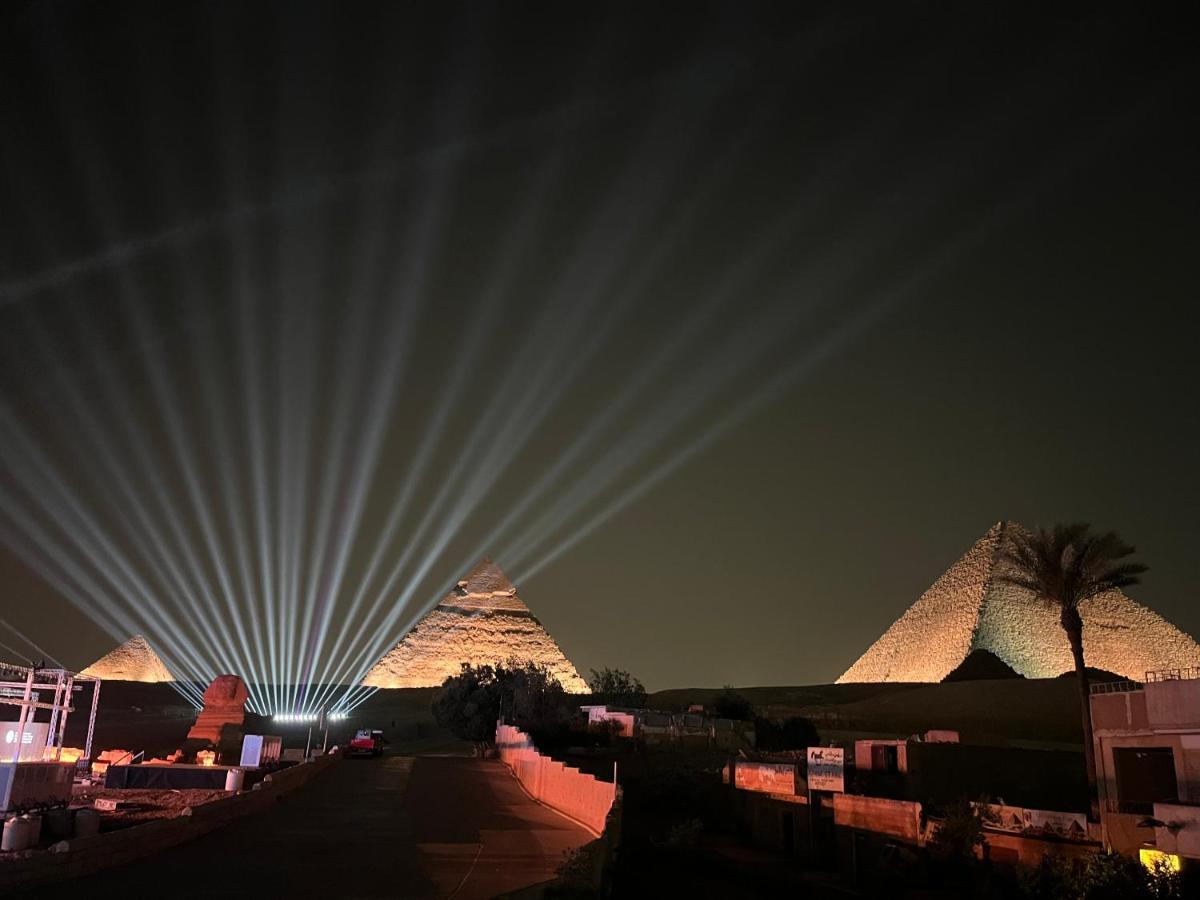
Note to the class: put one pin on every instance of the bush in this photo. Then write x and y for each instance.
(961, 832)
(954, 843)
(1102, 876)
(576, 874)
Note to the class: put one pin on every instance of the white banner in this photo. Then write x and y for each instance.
(33, 743)
(826, 769)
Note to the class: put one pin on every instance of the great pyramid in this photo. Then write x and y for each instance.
(969, 609)
(134, 660)
(481, 621)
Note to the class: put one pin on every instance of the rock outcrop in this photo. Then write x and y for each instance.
(482, 621)
(134, 660)
(968, 609)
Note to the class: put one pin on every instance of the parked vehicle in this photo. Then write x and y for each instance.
(366, 742)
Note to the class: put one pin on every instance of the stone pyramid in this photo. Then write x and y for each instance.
(968, 609)
(134, 660)
(481, 621)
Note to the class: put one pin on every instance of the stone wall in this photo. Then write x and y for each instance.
(580, 797)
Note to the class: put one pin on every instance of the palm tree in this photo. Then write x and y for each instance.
(1064, 567)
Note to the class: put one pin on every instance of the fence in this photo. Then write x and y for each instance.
(1187, 673)
(576, 795)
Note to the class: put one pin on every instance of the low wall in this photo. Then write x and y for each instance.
(767, 778)
(83, 856)
(1011, 849)
(576, 795)
(895, 818)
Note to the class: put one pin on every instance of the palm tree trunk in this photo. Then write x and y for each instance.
(1073, 625)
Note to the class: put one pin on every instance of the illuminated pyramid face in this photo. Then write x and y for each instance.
(969, 609)
(482, 621)
(134, 660)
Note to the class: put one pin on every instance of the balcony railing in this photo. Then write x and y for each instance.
(1130, 807)
(1187, 673)
(1115, 687)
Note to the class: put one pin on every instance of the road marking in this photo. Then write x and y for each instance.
(478, 853)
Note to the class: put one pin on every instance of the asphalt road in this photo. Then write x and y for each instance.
(429, 826)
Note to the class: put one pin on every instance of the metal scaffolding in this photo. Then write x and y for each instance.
(25, 686)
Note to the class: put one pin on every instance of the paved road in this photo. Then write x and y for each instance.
(393, 827)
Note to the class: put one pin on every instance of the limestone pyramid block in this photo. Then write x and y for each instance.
(968, 609)
(134, 660)
(482, 621)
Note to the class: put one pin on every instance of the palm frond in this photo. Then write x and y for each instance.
(1067, 564)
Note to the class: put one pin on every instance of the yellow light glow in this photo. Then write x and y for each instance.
(1157, 860)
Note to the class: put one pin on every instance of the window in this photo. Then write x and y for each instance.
(1144, 775)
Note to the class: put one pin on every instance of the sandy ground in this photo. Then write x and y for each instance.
(142, 805)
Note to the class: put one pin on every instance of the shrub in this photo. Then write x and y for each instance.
(961, 832)
(1102, 876)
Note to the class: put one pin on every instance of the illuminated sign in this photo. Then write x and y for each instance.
(33, 740)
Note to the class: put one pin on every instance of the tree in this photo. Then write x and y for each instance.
(960, 833)
(533, 698)
(732, 705)
(469, 704)
(1063, 568)
(618, 687)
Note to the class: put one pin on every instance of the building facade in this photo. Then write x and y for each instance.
(1147, 742)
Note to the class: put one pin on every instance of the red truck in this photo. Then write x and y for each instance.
(367, 742)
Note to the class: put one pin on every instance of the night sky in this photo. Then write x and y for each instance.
(724, 328)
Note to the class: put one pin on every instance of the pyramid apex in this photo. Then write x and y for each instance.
(481, 621)
(134, 660)
(486, 578)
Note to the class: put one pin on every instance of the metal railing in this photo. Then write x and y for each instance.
(1130, 807)
(1186, 673)
(1115, 687)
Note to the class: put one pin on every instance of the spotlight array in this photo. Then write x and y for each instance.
(302, 718)
(254, 484)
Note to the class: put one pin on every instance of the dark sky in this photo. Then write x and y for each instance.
(726, 328)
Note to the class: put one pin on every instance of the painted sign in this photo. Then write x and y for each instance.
(999, 817)
(1059, 824)
(1018, 820)
(765, 778)
(826, 769)
(603, 716)
(33, 741)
